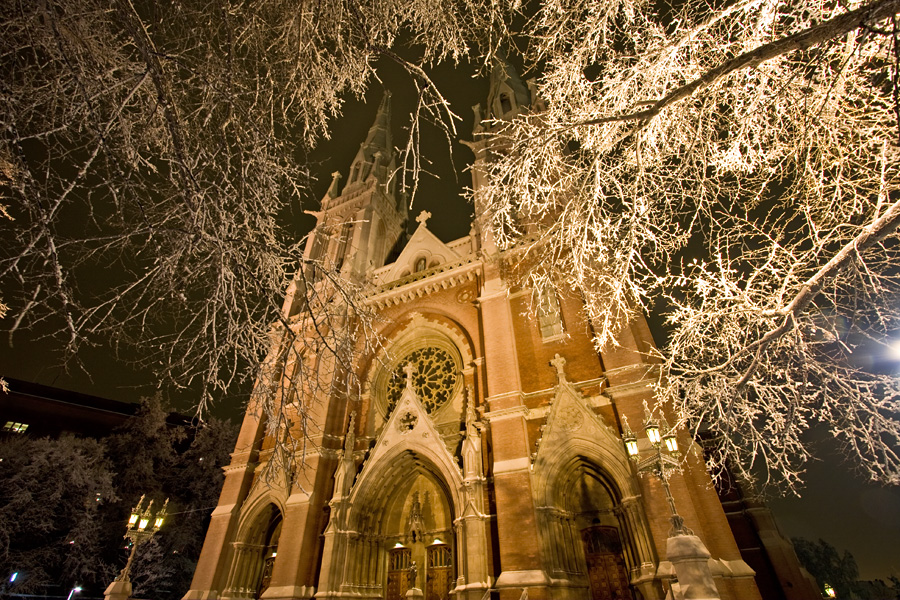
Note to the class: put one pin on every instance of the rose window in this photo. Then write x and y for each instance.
(434, 378)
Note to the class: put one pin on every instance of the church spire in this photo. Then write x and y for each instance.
(376, 153)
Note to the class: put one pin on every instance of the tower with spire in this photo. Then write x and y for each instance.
(359, 221)
(481, 455)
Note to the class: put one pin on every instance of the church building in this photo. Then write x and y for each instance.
(482, 455)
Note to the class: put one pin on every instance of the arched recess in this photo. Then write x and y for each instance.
(254, 552)
(402, 509)
(588, 504)
(595, 536)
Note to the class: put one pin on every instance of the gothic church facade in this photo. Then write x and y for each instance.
(485, 445)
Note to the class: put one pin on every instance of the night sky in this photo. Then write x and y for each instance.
(837, 506)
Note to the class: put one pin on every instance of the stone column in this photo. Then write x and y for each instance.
(231, 584)
(640, 549)
(254, 562)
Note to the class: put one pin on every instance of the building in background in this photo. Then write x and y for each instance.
(484, 444)
(45, 411)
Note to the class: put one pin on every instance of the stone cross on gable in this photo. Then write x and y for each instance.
(410, 370)
(559, 362)
(423, 217)
(333, 189)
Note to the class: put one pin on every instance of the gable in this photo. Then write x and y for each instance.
(573, 430)
(408, 441)
(423, 251)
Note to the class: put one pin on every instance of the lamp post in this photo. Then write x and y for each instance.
(659, 463)
(684, 550)
(142, 525)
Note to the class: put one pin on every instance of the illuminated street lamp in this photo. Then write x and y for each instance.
(684, 550)
(75, 590)
(660, 463)
(142, 524)
(829, 591)
(139, 532)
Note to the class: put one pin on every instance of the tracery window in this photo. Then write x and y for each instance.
(439, 556)
(434, 378)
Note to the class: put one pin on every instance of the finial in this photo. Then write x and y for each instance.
(423, 217)
(470, 409)
(410, 370)
(559, 362)
(350, 438)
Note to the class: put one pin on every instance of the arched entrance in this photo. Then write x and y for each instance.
(587, 538)
(417, 528)
(591, 498)
(402, 516)
(254, 555)
(408, 495)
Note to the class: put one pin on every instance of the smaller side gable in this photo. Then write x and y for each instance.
(571, 429)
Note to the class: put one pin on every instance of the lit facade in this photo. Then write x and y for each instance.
(485, 443)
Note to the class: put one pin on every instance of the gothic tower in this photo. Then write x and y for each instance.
(483, 444)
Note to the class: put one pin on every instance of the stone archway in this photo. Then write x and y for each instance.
(409, 493)
(254, 555)
(418, 527)
(405, 515)
(583, 481)
(588, 537)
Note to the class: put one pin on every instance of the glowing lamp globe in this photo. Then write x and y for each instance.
(652, 431)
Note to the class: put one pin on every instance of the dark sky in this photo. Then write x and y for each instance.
(837, 506)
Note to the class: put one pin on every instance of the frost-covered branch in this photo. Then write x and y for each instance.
(736, 168)
(162, 145)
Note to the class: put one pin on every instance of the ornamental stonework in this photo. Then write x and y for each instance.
(570, 418)
(434, 378)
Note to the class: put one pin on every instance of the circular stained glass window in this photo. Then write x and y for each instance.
(434, 378)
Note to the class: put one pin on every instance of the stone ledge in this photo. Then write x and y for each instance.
(289, 592)
(532, 578)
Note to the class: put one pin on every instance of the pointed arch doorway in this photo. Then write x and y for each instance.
(418, 529)
(399, 513)
(254, 555)
(588, 535)
(591, 499)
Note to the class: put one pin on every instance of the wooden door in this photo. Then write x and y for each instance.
(399, 560)
(439, 576)
(605, 564)
(268, 565)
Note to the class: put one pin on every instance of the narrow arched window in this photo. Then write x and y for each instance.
(548, 314)
(505, 103)
(341, 249)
